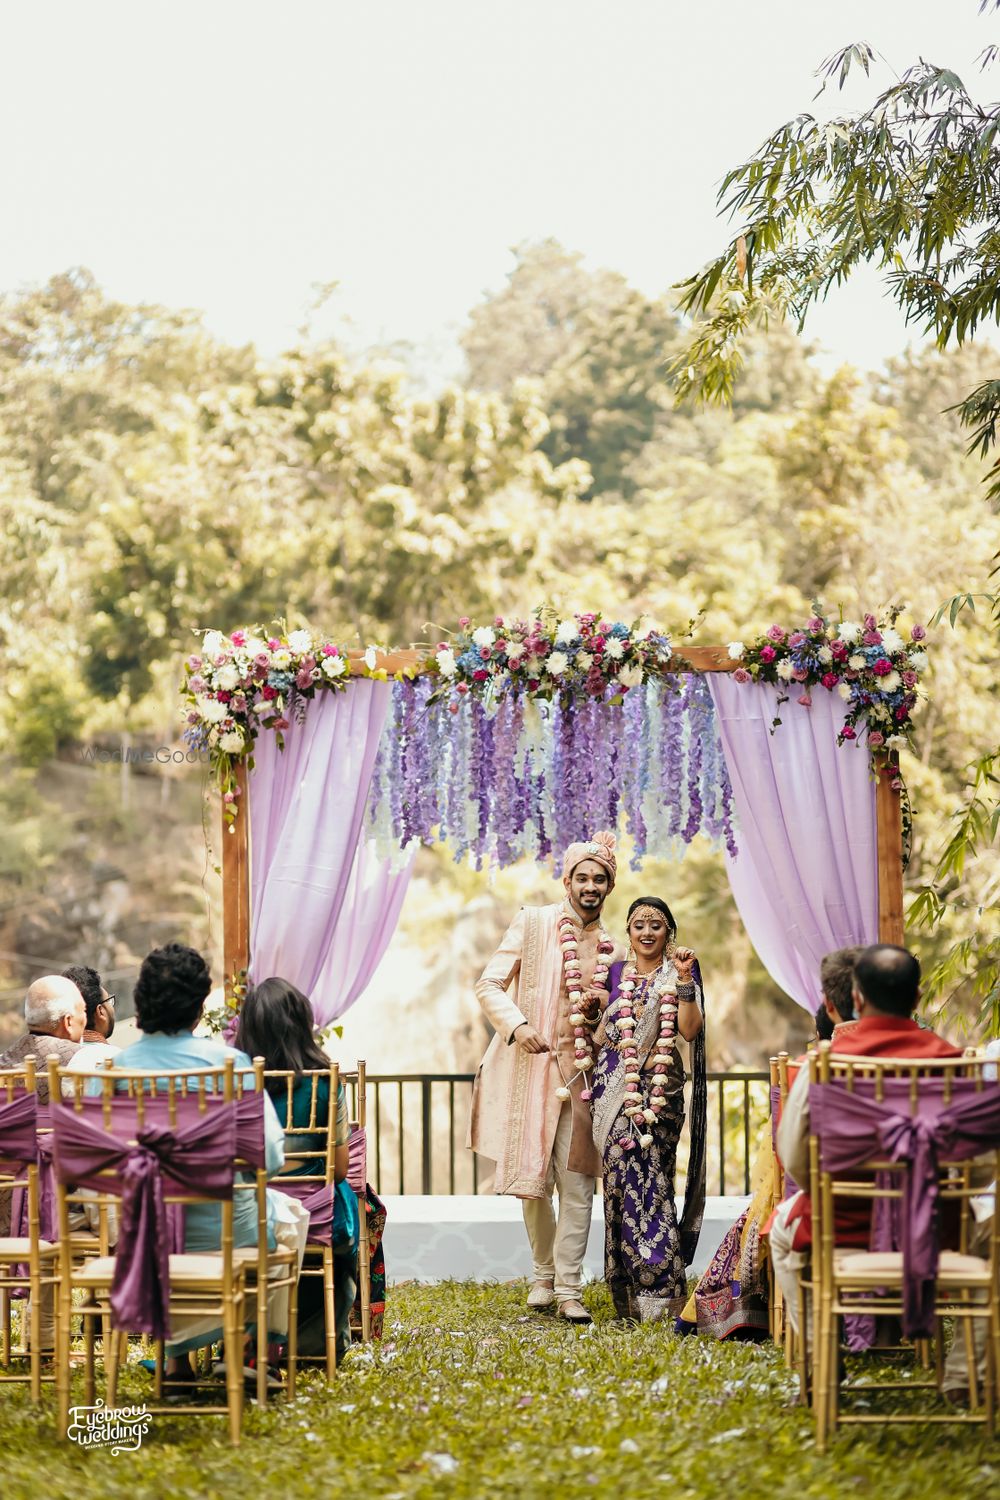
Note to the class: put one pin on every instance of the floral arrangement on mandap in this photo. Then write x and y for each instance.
(870, 664)
(583, 656)
(238, 684)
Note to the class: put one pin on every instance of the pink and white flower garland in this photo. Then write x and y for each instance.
(662, 991)
(583, 1052)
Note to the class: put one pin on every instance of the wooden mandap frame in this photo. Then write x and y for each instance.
(699, 659)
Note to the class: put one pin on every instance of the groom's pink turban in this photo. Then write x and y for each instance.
(600, 848)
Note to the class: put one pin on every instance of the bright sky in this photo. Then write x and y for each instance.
(230, 154)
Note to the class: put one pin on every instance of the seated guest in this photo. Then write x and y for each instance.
(95, 1049)
(886, 992)
(731, 1299)
(170, 994)
(277, 1024)
(55, 1016)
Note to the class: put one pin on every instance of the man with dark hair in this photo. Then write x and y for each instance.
(886, 992)
(95, 1050)
(170, 994)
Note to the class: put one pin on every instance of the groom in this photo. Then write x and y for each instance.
(530, 1110)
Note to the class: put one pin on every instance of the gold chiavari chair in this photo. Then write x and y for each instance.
(204, 1286)
(775, 1301)
(310, 1166)
(845, 1278)
(27, 1262)
(356, 1083)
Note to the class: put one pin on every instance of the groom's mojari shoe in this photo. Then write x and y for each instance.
(574, 1312)
(541, 1296)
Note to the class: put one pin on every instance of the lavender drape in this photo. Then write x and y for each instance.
(853, 1129)
(323, 905)
(805, 878)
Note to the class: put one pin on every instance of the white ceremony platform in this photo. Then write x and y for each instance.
(482, 1238)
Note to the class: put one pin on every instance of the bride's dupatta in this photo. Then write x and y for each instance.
(609, 1098)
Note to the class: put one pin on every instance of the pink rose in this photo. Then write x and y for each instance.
(800, 674)
(463, 688)
(273, 642)
(262, 659)
(909, 679)
(805, 701)
(229, 797)
(498, 622)
(775, 633)
(830, 680)
(870, 622)
(815, 624)
(882, 667)
(742, 675)
(839, 651)
(464, 622)
(798, 639)
(239, 637)
(768, 653)
(194, 662)
(871, 638)
(876, 739)
(848, 733)
(485, 653)
(918, 633)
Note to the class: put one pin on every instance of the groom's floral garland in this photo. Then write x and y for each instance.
(582, 656)
(583, 1052)
(662, 992)
(875, 670)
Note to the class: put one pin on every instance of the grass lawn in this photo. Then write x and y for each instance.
(470, 1396)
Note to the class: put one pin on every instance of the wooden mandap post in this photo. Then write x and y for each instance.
(236, 888)
(889, 840)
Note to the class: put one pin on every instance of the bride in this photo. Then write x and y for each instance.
(638, 1112)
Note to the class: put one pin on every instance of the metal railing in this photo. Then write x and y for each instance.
(417, 1126)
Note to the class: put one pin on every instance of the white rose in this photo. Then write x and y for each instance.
(227, 678)
(892, 641)
(825, 655)
(736, 650)
(857, 663)
(557, 663)
(447, 665)
(211, 710)
(890, 682)
(300, 640)
(785, 669)
(484, 636)
(263, 708)
(918, 661)
(631, 676)
(334, 666)
(211, 643)
(584, 661)
(515, 650)
(849, 632)
(844, 690)
(896, 742)
(567, 632)
(231, 743)
(615, 649)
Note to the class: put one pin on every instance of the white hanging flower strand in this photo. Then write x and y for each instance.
(583, 1052)
(662, 991)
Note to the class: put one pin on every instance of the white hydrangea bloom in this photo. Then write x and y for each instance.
(447, 665)
(211, 642)
(211, 710)
(227, 678)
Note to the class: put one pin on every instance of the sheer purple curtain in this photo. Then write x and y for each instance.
(806, 875)
(323, 906)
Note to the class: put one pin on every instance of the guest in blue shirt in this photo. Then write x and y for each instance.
(170, 994)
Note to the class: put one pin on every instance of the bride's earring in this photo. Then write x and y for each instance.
(630, 955)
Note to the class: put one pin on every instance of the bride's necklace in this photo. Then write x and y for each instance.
(661, 990)
(583, 1051)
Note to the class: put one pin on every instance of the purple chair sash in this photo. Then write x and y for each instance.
(197, 1157)
(852, 1129)
(19, 1131)
(318, 1199)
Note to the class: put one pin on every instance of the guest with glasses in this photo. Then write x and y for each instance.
(95, 1048)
